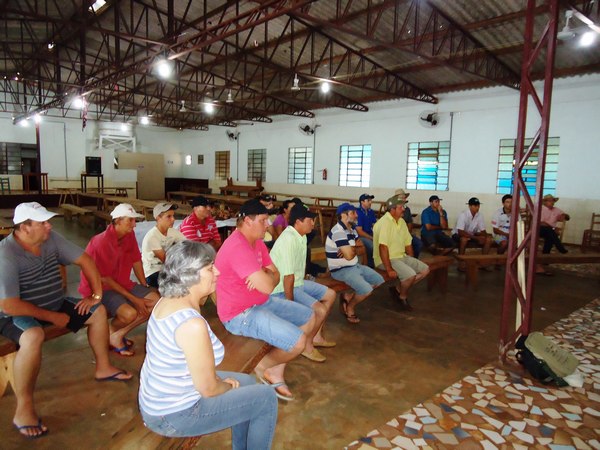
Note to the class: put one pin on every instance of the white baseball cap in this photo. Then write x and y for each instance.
(163, 207)
(31, 211)
(125, 210)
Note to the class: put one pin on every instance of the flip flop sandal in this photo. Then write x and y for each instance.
(127, 344)
(115, 377)
(276, 386)
(37, 427)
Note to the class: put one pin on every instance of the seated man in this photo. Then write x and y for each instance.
(470, 227)
(158, 240)
(364, 225)
(342, 247)
(31, 296)
(549, 217)
(289, 256)
(200, 226)
(434, 223)
(248, 277)
(417, 244)
(115, 252)
(393, 252)
(501, 224)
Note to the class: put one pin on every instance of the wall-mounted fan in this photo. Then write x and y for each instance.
(306, 129)
(429, 119)
(233, 136)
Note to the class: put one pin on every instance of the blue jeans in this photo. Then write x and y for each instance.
(250, 411)
(307, 294)
(360, 278)
(417, 246)
(368, 243)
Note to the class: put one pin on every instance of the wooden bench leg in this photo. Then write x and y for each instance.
(6, 372)
(472, 269)
(68, 215)
(86, 220)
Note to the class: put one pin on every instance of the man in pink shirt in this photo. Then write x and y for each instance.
(200, 226)
(549, 217)
(115, 252)
(248, 276)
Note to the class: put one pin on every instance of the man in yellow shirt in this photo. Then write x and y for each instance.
(392, 251)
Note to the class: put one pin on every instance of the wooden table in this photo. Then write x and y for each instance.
(99, 182)
(183, 195)
(329, 212)
(98, 197)
(42, 180)
(251, 191)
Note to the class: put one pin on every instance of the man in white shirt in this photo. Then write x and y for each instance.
(501, 224)
(470, 227)
(158, 240)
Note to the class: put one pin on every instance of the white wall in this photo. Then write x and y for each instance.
(480, 119)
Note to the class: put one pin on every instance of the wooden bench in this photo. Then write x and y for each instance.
(474, 261)
(438, 268)
(242, 354)
(84, 215)
(102, 219)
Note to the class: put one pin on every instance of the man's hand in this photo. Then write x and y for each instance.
(391, 273)
(233, 382)
(140, 306)
(84, 305)
(60, 319)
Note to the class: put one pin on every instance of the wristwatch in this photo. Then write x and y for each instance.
(96, 296)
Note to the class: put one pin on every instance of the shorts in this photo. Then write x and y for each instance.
(13, 327)
(360, 278)
(406, 267)
(276, 322)
(112, 300)
(307, 294)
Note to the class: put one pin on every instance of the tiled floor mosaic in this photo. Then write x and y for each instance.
(497, 408)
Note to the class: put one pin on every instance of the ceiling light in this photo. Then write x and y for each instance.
(51, 45)
(325, 87)
(144, 120)
(97, 5)
(209, 108)
(296, 85)
(229, 97)
(24, 123)
(124, 127)
(164, 68)
(78, 103)
(37, 118)
(587, 38)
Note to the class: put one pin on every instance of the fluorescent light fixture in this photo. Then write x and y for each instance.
(209, 108)
(97, 5)
(78, 102)
(325, 87)
(144, 120)
(37, 118)
(188, 160)
(24, 123)
(587, 38)
(124, 127)
(164, 68)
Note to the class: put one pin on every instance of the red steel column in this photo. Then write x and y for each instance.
(513, 289)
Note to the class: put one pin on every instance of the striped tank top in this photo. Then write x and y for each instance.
(166, 384)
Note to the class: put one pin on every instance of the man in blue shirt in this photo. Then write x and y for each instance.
(434, 221)
(364, 227)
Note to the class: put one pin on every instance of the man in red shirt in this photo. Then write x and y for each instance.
(200, 226)
(115, 252)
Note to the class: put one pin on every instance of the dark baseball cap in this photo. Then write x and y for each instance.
(474, 201)
(300, 212)
(252, 207)
(366, 197)
(433, 198)
(344, 207)
(267, 198)
(200, 201)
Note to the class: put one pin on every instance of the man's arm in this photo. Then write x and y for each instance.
(384, 254)
(363, 233)
(160, 254)
(138, 270)
(288, 286)
(16, 307)
(264, 280)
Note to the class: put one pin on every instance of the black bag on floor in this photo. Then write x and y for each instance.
(535, 366)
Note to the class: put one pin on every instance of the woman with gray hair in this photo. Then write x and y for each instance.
(181, 393)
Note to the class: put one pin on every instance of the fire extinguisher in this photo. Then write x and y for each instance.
(324, 174)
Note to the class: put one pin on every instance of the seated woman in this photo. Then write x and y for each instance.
(181, 393)
(281, 221)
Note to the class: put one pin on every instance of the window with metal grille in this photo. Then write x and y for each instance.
(300, 165)
(355, 165)
(222, 165)
(257, 164)
(428, 165)
(506, 161)
(11, 154)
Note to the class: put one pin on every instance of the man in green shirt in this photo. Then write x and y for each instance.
(392, 251)
(289, 256)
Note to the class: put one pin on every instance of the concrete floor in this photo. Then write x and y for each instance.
(389, 362)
